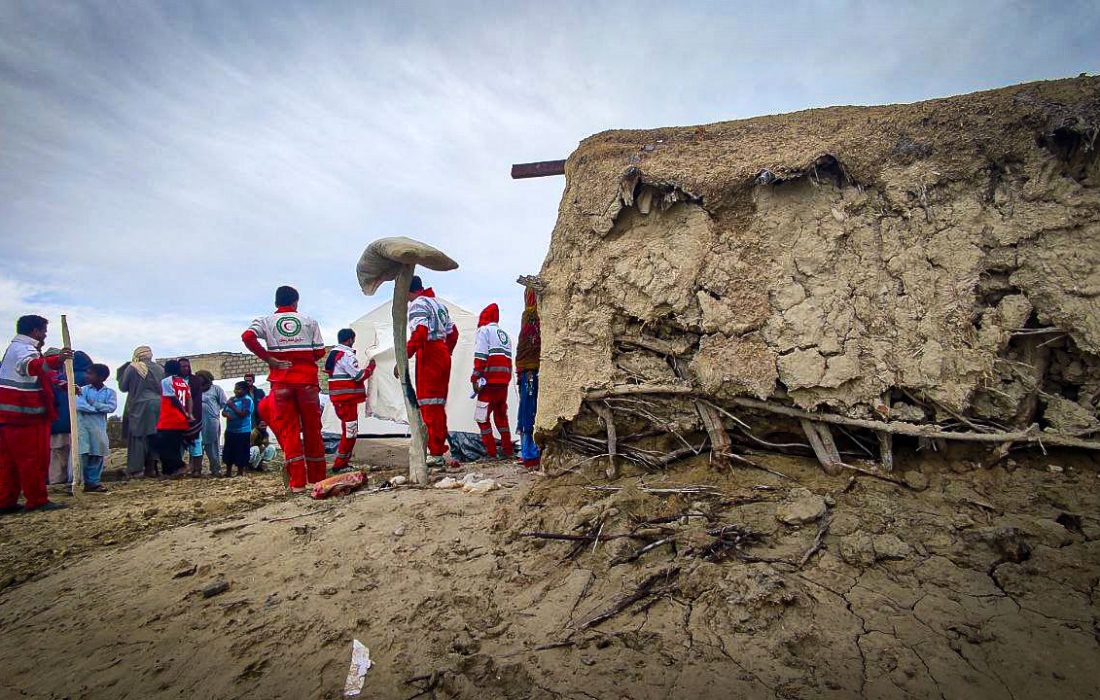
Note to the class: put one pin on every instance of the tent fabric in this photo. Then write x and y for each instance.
(374, 339)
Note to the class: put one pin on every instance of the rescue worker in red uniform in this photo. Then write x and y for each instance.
(347, 389)
(294, 346)
(433, 339)
(27, 409)
(492, 374)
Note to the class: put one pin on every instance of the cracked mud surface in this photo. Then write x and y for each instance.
(982, 586)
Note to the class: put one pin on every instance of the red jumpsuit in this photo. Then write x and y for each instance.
(493, 364)
(296, 404)
(26, 410)
(433, 339)
(347, 389)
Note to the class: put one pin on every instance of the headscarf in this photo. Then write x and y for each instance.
(142, 355)
(490, 314)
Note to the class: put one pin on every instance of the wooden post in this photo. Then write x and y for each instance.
(720, 443)
(74, 431)
(418, 467)
(821, 439)
(604, 413)
(886, 451)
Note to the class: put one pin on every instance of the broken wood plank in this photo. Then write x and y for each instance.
(601, 409)
(543, 168)
(1031, 435)
(821, 440)
(720, 442)
(886, 451)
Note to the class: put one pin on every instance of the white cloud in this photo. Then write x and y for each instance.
(164, 166)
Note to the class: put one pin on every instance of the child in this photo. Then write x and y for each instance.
(262, 451)
(238, 429)
(94, 403)
(174, 420)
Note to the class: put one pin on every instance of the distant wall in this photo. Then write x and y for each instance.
(231, 365)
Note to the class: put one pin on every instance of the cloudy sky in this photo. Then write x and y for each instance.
(165, 165)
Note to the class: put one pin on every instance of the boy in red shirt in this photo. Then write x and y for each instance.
(175, 418)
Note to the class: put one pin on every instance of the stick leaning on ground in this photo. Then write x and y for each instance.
(74, 431)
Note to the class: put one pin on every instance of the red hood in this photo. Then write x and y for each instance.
(490, 314)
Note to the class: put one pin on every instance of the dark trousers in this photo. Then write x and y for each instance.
(170, 449)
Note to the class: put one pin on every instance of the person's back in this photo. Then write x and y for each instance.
(433, 337)
(291, 346)
(491, 376)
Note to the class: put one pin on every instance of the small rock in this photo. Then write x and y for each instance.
(216, 588)
(829, 500)
(890, 546)
(857, 549)
(915, 480)
(399, 480)
(1055, 469)
(399, 530)
(150, 512)
(804, 507)
(329, 591)
(1011, 465)
(185, 569)
(465, 644)
(588, 661)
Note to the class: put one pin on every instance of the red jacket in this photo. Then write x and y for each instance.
(492, 350)
(26, 392)
(347, 380)
(421, 335)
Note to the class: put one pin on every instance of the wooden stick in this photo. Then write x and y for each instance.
(824, 447)
(601, 409)
(418, 467)
(886, 451)
(818, 541)
(895, 428)
(644, 590)
(74, 431)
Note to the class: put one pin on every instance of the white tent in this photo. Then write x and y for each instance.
(374, 339)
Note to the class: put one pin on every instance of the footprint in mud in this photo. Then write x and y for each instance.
(253, 670)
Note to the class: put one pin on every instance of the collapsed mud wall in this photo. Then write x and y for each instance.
(933, 263)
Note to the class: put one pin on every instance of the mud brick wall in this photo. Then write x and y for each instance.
(918, 261)
(233, 365)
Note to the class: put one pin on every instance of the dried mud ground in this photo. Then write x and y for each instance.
(982, 584)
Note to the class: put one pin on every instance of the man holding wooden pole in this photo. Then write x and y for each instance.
(26, 410)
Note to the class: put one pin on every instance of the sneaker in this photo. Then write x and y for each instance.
(98, 488)
(48, 505)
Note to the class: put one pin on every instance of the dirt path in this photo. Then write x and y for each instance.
(984, 585)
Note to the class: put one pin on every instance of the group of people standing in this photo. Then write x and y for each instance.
(172, 416)
(30, 385)
(290, 343)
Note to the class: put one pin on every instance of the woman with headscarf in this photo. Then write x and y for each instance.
(140, 380)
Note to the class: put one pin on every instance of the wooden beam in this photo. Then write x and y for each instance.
(544, 168)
